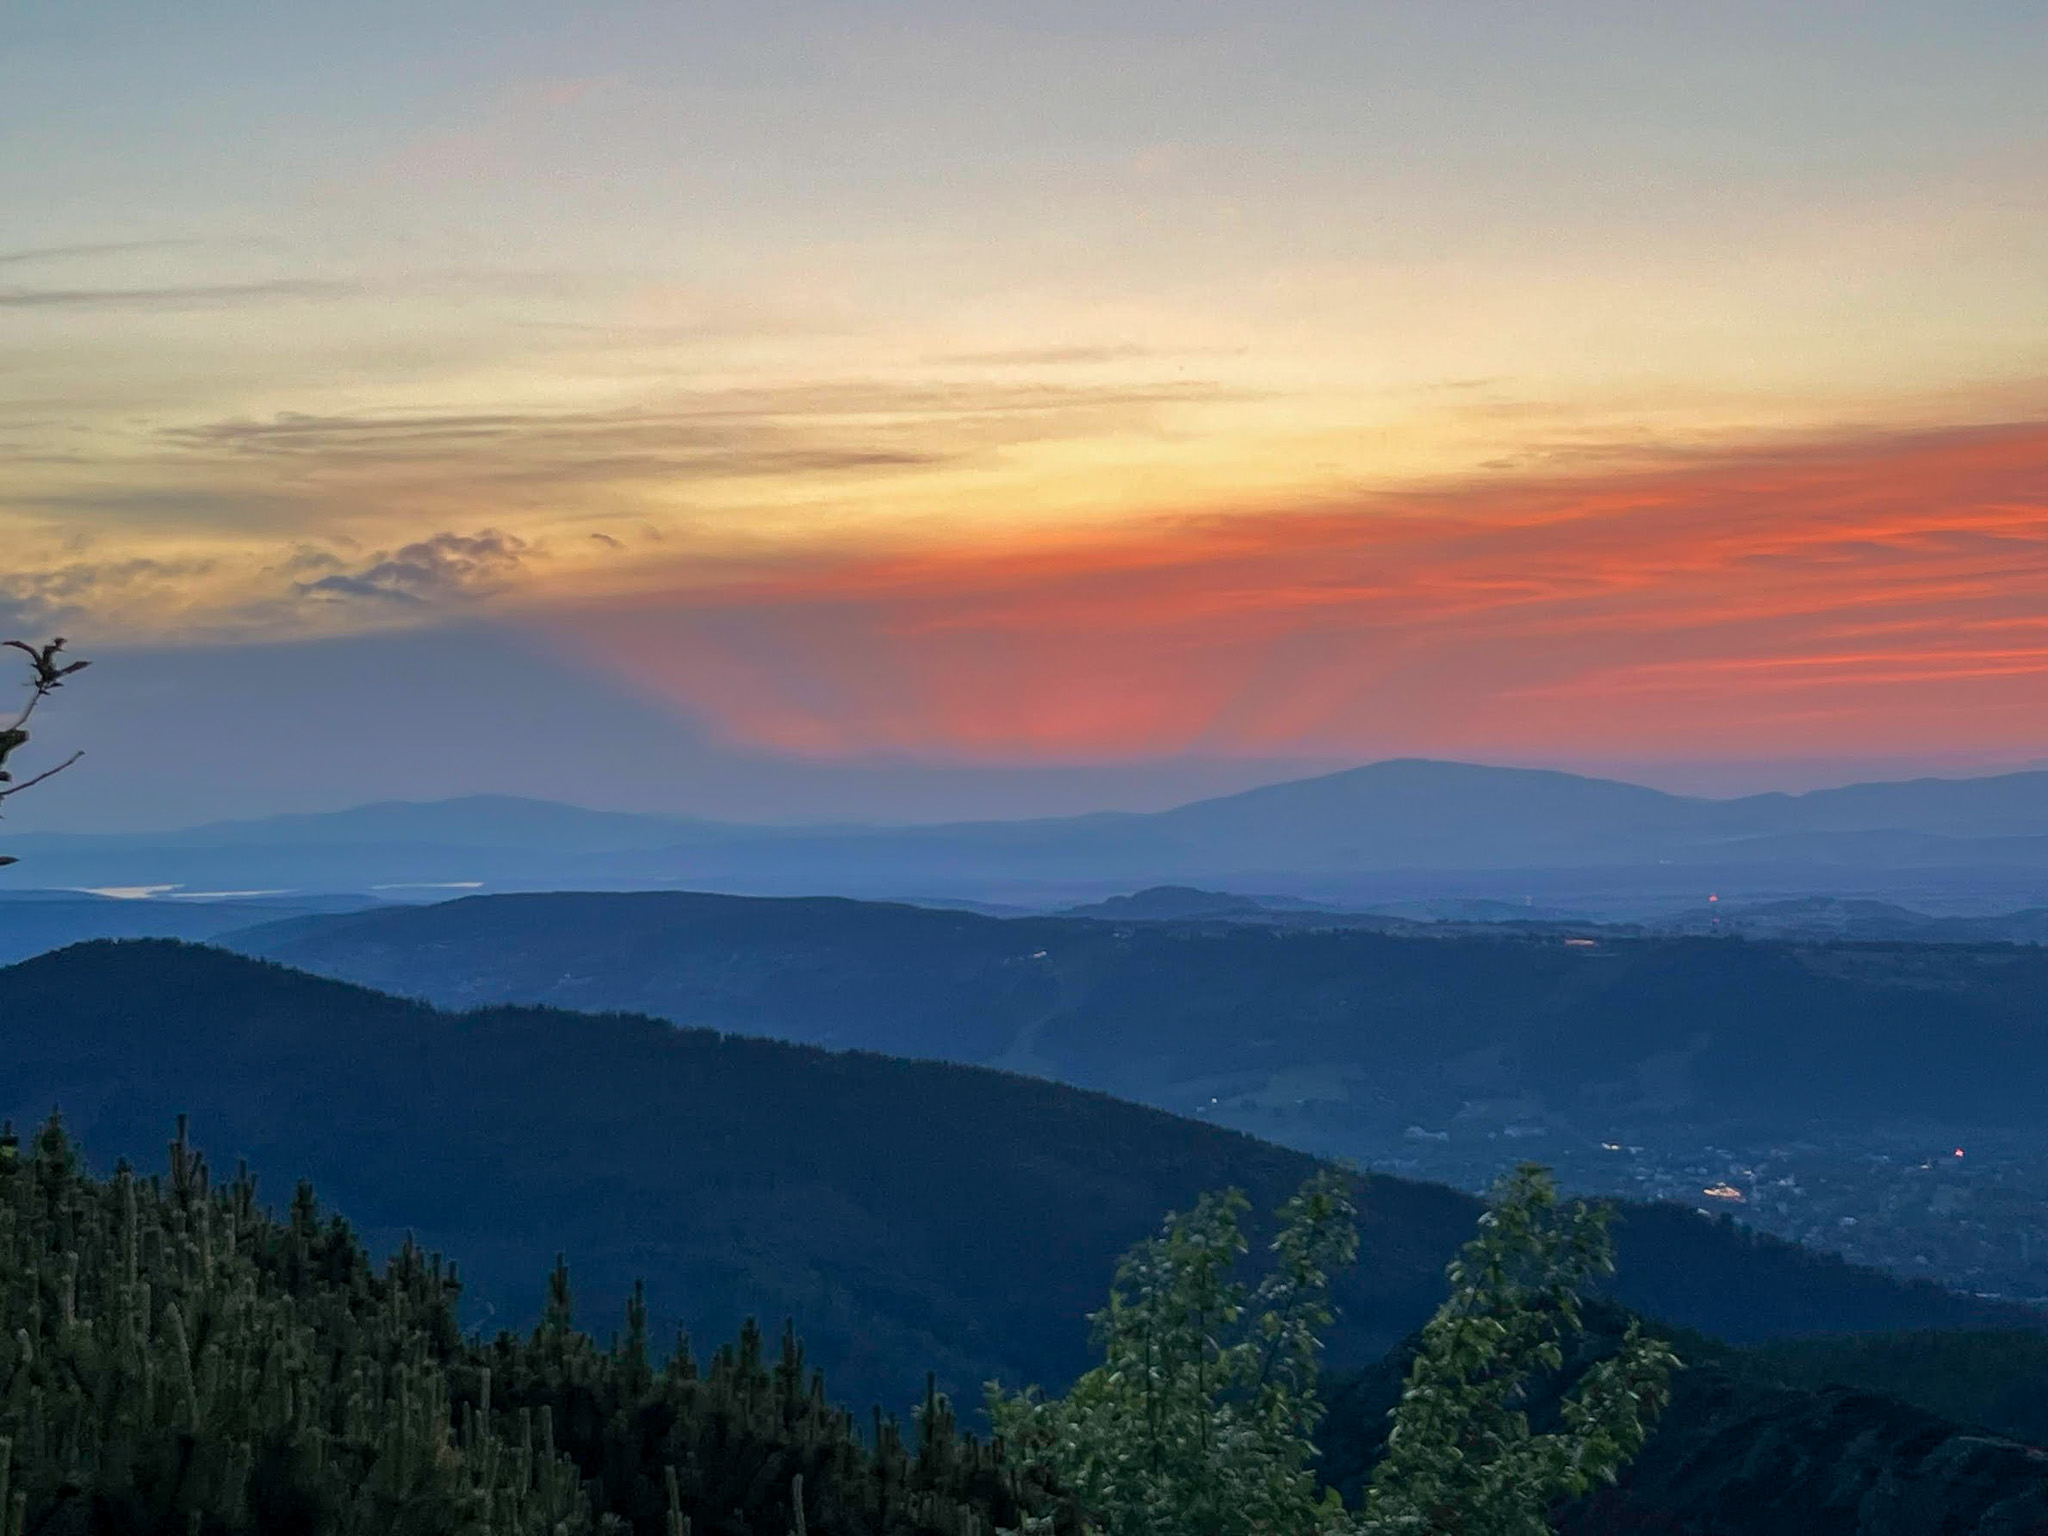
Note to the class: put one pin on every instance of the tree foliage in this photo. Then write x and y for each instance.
(176, 1362)
(1199, 1421)
(1462, 1457)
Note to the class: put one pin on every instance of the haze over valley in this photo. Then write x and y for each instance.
(1365, 838)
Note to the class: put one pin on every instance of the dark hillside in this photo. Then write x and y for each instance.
(881, 976)
(1997, 1379)
(901, 1211)
(1614, 1038)
(1771, 1442)
(1735, 1457)
(904, 1212)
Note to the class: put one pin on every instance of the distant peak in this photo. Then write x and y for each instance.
(1165, 903)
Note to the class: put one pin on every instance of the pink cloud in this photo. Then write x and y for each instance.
(1877, 593)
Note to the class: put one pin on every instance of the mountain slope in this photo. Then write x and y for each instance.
(900, 1211)
(33, 922)
(1415, 812)
(1622, 1036)
(1735, 1455)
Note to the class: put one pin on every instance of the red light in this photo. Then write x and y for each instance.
(1959, 1151)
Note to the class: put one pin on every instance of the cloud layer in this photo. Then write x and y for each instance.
(434, 572)
(1113, 381)
(1838, 596)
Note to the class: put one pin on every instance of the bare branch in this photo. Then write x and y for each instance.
(49, 670)
(47, 773)
(36, 697)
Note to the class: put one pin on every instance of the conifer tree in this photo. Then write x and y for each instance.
(162, 1370)
(173, 1360)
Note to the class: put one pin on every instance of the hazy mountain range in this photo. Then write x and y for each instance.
(1396, 831)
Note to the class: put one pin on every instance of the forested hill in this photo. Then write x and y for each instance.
(907, 1214)
(1742, 1452)
(1616, 1038)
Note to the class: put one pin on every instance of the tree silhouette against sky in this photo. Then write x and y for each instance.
(48, 669)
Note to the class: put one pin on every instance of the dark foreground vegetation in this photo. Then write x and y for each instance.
(180, 1361)
(1995, 1379)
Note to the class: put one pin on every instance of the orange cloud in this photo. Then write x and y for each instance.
(1875, 593)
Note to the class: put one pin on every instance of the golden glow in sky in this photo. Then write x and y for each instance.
(1026, 383)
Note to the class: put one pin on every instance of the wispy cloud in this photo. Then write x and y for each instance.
(858, 399)
(36, 255)
(807, 429)
(71, 593)
(1030, 357)
(178, 296)
(574, 499)
(221, 507)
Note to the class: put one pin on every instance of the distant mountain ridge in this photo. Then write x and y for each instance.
(1827, 918)
(1406, 815)
(1180, 903)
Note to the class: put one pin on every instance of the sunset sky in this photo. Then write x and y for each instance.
(1137, 398)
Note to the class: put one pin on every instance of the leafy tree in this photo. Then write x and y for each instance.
(48, 670)
(1462, 1458)
(1199, 1420)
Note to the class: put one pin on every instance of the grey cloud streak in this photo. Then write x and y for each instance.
(31, 255)
(177, 296)
(716, 434)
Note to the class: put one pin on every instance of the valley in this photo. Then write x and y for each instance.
(1657, 1067)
